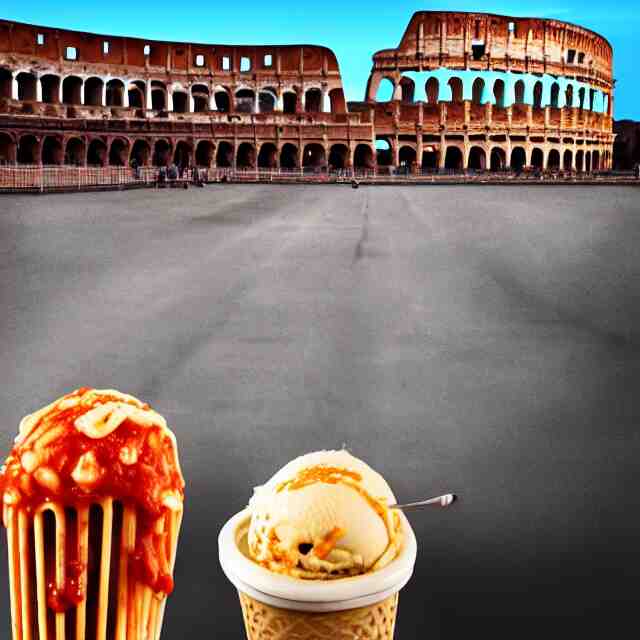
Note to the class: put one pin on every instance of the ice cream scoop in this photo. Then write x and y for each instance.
(324, 515)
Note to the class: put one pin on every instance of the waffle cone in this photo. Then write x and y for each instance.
(98, 539)
(263, 622)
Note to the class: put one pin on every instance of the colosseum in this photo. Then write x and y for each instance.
(465, 91)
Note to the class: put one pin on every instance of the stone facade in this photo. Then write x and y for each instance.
(474, 90)
(468, 90)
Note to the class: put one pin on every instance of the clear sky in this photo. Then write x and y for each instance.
(354, 29)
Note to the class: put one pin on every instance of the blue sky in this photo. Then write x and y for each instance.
(353, 29)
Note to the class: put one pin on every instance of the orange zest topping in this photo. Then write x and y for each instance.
(320, 473)
(323, 549)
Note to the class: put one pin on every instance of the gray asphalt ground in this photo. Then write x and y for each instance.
(477, 340)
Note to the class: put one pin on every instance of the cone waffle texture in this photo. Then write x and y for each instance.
(263, 622)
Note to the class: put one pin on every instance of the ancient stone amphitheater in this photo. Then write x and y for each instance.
(463, 91)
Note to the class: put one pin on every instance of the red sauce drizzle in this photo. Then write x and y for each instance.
(141, 485)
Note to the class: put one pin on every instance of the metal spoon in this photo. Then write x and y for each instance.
(441, 501)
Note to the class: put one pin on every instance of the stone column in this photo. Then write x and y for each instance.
(326, 101)
(38, 89)
(125, 94)
(169, 100)
(256, 102)
(212, 101)
(443, 152)
(279, 99)
(104, 94)
(82, 92)
(14, 86)
(192, 103)
(148, 101)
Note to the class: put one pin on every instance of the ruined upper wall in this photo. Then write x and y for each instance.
(459, 40)
(49, 48)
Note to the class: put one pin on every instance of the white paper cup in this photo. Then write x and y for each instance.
(279, 607)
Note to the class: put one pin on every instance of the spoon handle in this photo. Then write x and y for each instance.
(441, 501)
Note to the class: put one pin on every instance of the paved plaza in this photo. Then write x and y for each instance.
(477, 340)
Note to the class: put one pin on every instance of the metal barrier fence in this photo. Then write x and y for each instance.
(35, 178)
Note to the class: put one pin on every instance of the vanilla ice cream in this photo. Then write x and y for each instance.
(324, 515)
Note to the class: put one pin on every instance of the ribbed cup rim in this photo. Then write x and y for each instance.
(313, 595)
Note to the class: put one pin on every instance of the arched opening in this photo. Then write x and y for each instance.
(289, 156)
(518, 159)
(28, 150)
(245, 101)
(537, 158)
(136, 92)
(50, 89)
(384, 153)
(27, 87)
(180, 102)
(457, 89)
(567, 161)
(93, 92)
(52, 152)
(477, 159)
(118, 153)
(580, 161)
(289, 102)
(6, 82)
(97, 153)
(114, 94)
(7, 149)
(498, 159)
(338, 103)
(553, 161)
(200, 93)
(158, 96)
(338, 156)
(140, 153)
(407, 158)
(205, 153)
(268, 156)
(568, 95)
(313, 101)
(429, 159)
(224, 155)
(74, 154)
(72, 90)
(223, 104)
(595, 161)
(587, 162)
(161, 153)
(478, 91)
(314, 156)
(363, 157)
(432, 89)
(555, 95)
(453, 159)
(386, 89)
(267, 101)
(537, 95)
(519, 92)
(246, 158)
(182, 155)
(498, 93)
(408, 89)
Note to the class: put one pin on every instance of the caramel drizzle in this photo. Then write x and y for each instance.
(323, 549)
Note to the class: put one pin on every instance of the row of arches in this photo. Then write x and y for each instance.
(477, 158)
(158, 96)
(52, 150)
(496, 88)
